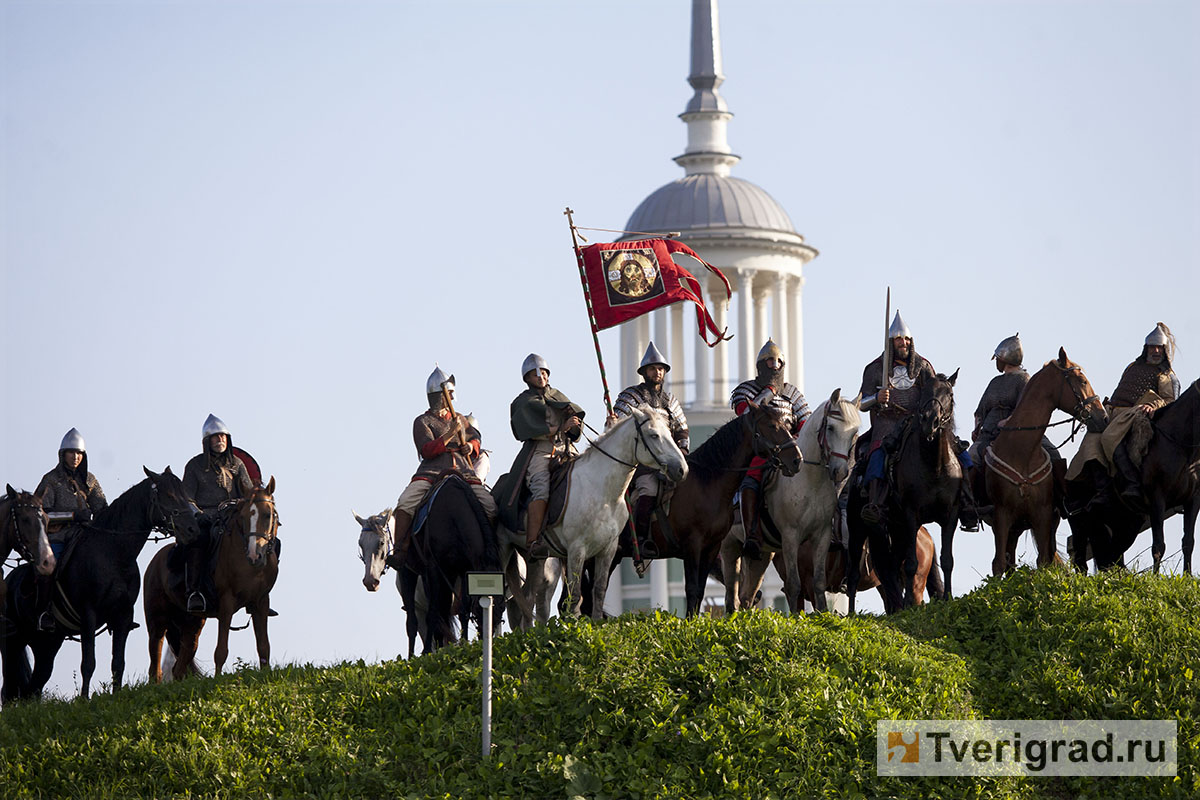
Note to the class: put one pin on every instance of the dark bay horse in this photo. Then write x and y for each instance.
(245, 572)
(455, 539)
(1170, 473)
(701, 508)
(928, 476)
(1019, 478)
(23, 528)
(97, 585)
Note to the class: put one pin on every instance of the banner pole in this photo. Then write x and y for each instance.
(587, 298)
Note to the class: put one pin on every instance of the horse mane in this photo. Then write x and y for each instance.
(113, 518)
(711, 459)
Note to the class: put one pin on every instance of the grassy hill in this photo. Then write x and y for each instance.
(759, 705)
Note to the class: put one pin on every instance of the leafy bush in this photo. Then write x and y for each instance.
(757, 705)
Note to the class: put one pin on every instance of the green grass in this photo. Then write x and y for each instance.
(759, 705)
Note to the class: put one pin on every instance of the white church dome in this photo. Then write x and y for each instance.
(708, 202)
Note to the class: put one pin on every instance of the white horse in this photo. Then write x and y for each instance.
(596, 512)
(802, 506)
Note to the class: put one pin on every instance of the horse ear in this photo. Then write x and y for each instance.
(149, 474)
(167, 471)
(836, 396)
(1062, 358)
(858, 400)
(8, 488)
(271, 485)
(361, 521)
(954, 377)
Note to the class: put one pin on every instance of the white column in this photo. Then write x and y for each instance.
(662, 322)
(643, 339)
(660, 592)
(719, 386)
(760, 321)
(679, 374)
(746, 332)
(796, 340)
(782, 329)
(629, 356)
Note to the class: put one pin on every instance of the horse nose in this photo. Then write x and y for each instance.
(372, 584)
(46, 566)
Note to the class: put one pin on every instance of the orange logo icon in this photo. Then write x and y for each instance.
(905, 745)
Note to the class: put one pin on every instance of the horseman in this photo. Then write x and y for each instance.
(1148, 384)
(446, 441)
(651, 392)
(997, 403)
(213, 477)
(891, 399)
(548, 424)
(69, 493)
(767, 388)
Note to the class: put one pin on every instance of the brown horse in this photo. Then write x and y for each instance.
(701, 511)
(23, 528)
(246, 569)
(928, 574)
(1019, 476)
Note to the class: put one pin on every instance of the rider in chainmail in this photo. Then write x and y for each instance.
(210, 479)
(767, 388)
(651, 392)
(1146, 385)
(890, 404)
(69, 493)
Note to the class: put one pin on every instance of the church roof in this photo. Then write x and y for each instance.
(710, 202)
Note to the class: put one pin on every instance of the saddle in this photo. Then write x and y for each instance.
(423, 510)
(512, 496)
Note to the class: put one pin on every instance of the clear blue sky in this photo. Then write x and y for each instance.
(285, 213)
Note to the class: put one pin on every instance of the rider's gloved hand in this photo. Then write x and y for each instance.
(83, 515)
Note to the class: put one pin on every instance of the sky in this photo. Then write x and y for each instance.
(285, 213)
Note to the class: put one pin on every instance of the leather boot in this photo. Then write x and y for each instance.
(535, 517)
(643, 513)
(968, 509)
(44, 587)
(1131, 477)
(399, 553)
(877, 491)
(193, 572)
(752, 546)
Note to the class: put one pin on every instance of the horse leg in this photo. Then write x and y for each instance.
(1001, 522)
(600, 579)
(156, 631)
(731, 567)
(572, 600)
(754, 570)
(189, 628)
(120, 636)
(853, 557)
(516, 583)
(259, 617)
(1158, 511)
(44, 653)
(1189, 532)
(792, 586)
(948, 552)
(910, 565)
(820, 565)
(224, 618)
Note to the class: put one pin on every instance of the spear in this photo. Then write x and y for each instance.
(587, 297)
(887, 343)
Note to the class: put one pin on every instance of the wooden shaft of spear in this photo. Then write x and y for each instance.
(587, 298)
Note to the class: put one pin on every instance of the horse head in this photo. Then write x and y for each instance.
(935, 415)
(655, 446)
(773, 438)
(256, 520)
(374, 546)
(171, 509)
(26, 526)
(1082, 402)
(837, 432)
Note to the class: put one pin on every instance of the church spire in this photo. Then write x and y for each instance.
(706, 114)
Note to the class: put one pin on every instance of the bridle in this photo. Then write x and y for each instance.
(827, 453)
(386, 541)
(20, 545)
(272, 531)
(165, 522)
(945, 413)
(765, 450)
(639, 440)
(1080, 415)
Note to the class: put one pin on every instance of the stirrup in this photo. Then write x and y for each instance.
(539, 551)
(196, 604)
(46, 622)
(648, 549)
(752, 548)
(871, 514)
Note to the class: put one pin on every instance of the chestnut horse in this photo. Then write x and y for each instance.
(23, 528)
(1018, 478)
(246, 569)
(701, 508)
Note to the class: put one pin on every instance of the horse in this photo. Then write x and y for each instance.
(23, 528)
(801, 506)
(1170, 473)
(1019, 478)
(928, 477)
(456, 539)
(97, 585)
(245, 572)
(595, 512)
(699, 512)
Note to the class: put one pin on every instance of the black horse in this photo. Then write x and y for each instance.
(928, 477)
(1170, 476)
(96, 585)
(455, 539)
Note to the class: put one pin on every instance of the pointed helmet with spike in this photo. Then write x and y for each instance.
(1009, 351)
(898, 328)
(653, 356)
(437, 379)
(213, 425)
(73, 441)
(769, 350)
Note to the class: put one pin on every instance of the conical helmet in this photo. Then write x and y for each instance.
(534, 361)
(1009, 351)
(653, 356)
(1158, 336)
(213, 425)
(437, 379)
(769, 350)
(898, 328)
(73, 441)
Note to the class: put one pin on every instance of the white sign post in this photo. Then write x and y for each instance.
(484, 585)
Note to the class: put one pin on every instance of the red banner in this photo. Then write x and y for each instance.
(629, 279)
